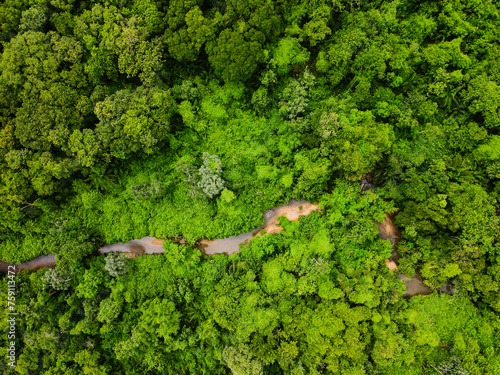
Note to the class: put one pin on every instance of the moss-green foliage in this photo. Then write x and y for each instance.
(126, 119)
(287, 303)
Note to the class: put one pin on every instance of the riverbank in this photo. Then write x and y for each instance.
(231, 245)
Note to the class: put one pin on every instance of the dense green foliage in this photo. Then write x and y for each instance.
(125, 119)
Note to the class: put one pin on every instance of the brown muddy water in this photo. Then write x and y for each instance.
(387, 230)
(231, 245)
(145, 245)
(414, 286)
(152, 245)
(42, 261)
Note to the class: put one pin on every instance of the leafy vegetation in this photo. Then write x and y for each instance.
(120, 120)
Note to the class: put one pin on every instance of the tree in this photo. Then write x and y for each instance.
(46, 71)
(295, 95)
(57, 279)
(118, 44)
(236, 53)
(316, 30)
(48, 100)
(134, 119)
(353, 140)
(185, 43)
(241, 362)
(210, 181)
(288, 54)
(10, 14)
(32, 19)
(85, 146)
(116, 264)
(451, 366)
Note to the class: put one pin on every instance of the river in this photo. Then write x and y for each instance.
(230, 245)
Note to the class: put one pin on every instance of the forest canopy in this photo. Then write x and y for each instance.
(134, 118)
